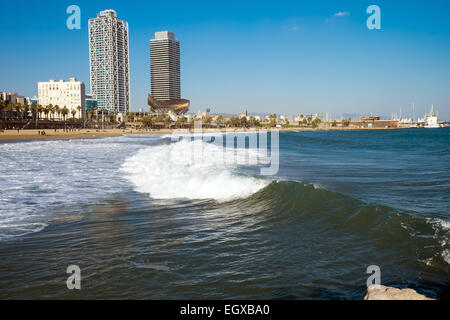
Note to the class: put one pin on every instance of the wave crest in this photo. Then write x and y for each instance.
(191, 170)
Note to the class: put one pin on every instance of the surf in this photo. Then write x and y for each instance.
(192, 170)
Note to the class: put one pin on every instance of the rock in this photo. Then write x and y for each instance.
(388, 293)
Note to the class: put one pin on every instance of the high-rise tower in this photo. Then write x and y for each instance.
(165, 66)
(109, 62)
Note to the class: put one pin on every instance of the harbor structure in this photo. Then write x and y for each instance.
(431, 120)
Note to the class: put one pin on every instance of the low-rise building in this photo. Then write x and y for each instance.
(13, 98)
(91, 103)
(34, 100)
(243, 115)
(70, 94)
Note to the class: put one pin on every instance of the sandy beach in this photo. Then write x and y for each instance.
(12, 135)
(79, 134)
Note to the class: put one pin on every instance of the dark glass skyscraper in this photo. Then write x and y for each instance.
(165, 66)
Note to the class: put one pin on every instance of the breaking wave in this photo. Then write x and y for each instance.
(193, 170)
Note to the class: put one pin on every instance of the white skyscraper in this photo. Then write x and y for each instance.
(109, 62)
(165, 66)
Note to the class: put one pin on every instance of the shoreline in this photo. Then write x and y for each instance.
(13, 135)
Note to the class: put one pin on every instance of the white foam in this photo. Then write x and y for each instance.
(153, 266)
(442, 228)
(318, 186)
(41, 179)
(192, 170)
(446, 256)
(444, 224)
(446, 253)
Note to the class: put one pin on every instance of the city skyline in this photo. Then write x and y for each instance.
(302, 59)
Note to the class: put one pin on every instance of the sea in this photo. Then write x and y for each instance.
(154, 217)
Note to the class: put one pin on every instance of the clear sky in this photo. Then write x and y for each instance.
(288, 57)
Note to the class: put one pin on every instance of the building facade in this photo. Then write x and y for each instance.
(165, 66)
(9, 97)
(91, 103)
(109, 62)
(34, 100)
(69, 94)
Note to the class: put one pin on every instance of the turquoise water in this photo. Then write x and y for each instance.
(143, 222)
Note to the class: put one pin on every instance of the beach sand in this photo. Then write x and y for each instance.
(60, 134)
(94, 133)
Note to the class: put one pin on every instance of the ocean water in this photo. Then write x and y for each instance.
(148, 218)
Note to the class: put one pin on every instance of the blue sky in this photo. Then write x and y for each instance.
(288, 57)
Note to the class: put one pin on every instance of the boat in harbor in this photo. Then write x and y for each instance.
(431, 120)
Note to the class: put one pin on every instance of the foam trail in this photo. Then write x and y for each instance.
(192, 170)
(446, 256)
(442, 231)
(42, 179)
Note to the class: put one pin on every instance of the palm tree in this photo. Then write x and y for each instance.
(34, 110)
(65, 112)
(18, 108)
(273, 120)
(234, 121)
(51, 110)
(58, 111)
(183, 120)
(316, 122)
(147, 122)
(79, 111)
(219, 121)
(346, 122)
(10, 108)
(252, 121)
(208, 120)
(40, 110)
(26, 108)
(90, 114)
(167, 121)
(73, 112)
(2, 104)
(47, 110)
(243, 122)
